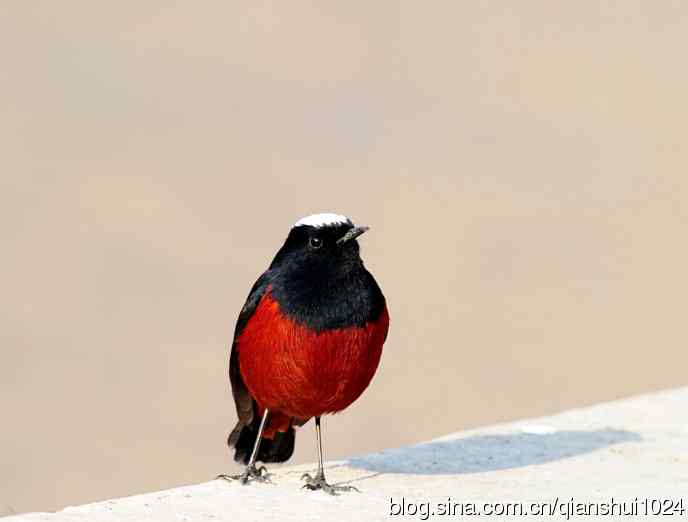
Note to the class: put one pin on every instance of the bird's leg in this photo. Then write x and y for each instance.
(319, 482)
(251, 472)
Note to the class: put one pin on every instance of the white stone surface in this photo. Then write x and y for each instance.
(628, 449)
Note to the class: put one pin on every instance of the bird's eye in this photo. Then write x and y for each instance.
(315, 243)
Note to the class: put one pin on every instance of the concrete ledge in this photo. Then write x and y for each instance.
(628, 449)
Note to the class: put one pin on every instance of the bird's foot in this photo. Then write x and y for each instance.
(251, 473)
(319, 482)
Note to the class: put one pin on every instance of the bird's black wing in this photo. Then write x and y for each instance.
(243, 437)
(242, 399)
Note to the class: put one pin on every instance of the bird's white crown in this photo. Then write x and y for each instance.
(321, 220)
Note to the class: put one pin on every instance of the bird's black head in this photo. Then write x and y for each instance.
(318, 277)
(321, 246)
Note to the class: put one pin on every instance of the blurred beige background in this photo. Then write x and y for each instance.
(523, 167)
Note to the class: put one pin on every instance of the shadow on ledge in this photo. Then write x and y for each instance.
(481, 453)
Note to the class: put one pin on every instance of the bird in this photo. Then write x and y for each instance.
(307, 343)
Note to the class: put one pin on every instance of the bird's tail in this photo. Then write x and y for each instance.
(278, 448)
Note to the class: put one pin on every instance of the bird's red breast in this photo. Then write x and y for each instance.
(302, 373)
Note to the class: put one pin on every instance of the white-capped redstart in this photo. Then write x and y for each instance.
(307, 343)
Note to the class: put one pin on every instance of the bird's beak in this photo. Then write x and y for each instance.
(352, 234)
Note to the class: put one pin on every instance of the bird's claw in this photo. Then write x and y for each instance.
(251, 473)
(319, 482)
